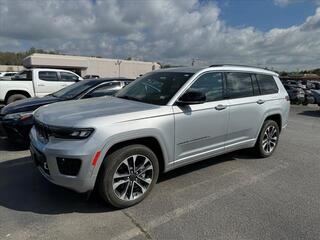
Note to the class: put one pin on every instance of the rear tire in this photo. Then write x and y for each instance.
(267, 141)
(15, 97)
(128, 175)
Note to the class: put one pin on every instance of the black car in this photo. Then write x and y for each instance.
(17, 117)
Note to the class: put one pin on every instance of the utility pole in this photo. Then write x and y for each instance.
(118, 62)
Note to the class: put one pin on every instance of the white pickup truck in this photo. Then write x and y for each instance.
(36, 82)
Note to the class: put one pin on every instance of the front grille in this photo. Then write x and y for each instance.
(42, 130)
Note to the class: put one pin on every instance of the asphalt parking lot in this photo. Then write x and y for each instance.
(235, 196)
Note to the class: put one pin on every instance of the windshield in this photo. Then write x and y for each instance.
(155, 87)
(74, 90)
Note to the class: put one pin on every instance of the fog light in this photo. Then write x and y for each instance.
(69, 166)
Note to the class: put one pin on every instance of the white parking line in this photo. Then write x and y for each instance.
(178, 212)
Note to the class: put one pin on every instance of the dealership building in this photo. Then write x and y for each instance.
(91, 65)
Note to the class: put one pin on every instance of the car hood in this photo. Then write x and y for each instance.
(28, 105)
(83, 112)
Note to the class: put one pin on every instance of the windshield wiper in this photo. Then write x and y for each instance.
(130, 98)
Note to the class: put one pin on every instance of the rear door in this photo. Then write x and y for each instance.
(46, 82)
(245, 110)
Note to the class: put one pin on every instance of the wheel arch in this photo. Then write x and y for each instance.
(12, 92)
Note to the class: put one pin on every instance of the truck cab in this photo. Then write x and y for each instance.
(37, 82)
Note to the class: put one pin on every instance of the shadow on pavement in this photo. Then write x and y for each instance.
(309, 113)
(22, 188)
(6, 145)
(241, 154)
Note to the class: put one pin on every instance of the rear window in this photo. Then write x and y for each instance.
(239, 85)
(48, 76)
(23, 76)
(267, 84)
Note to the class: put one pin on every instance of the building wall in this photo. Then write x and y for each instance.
(10, 68)
(91, 66)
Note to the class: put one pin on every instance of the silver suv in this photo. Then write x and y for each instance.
(163, 120)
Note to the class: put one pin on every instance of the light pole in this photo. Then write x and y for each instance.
(118, 62)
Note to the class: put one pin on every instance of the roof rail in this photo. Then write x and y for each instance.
(236, 65)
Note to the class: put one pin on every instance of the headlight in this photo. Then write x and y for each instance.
(18, 116)
(71, 133)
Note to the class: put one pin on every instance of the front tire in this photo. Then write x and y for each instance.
(15, 97)
(128, 175)
(268, 139)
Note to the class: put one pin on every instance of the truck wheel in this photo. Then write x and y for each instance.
(128, 175)
(268, 139)
(15, 97)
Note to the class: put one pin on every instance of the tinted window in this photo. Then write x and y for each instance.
(75, 89)
(9, 74)
(66, 76)
(155, 87)
(239, 85)
(211, 84)
(23, 76)
(267, 84)
(107, 89)
(48, 76)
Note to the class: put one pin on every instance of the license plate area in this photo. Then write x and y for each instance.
(39, 159)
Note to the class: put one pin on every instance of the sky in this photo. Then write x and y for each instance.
(279, 34)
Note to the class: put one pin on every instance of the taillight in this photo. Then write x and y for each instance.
(287, 98)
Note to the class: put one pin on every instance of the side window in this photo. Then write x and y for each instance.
(23, 76)
(48, 76)
(68, 77)
(211, 84)
(267, 84)
(239, 85)
(108, 89)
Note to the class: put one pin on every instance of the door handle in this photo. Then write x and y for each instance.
(40, 85)
(260, 101)
(220, 107)
(64, 85)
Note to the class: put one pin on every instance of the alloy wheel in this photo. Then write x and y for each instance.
(133, 177)
(270, 139)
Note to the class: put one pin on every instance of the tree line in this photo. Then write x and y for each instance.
(16, 58)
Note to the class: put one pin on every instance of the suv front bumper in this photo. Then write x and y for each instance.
(45, 156)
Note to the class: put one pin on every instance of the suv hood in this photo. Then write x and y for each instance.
(76, 113)
(28, 105)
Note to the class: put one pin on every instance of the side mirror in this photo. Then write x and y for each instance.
(192, 97)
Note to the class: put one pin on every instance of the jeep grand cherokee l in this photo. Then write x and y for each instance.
(164, 120)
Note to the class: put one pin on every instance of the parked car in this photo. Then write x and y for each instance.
(91, 76)
(37, 82)
(309, 97)
(165, 119)
(17, 118)
(296, 95)
(7, 75)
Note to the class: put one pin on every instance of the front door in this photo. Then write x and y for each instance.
(200, 129)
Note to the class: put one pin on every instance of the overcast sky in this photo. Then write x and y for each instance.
(283, 34)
